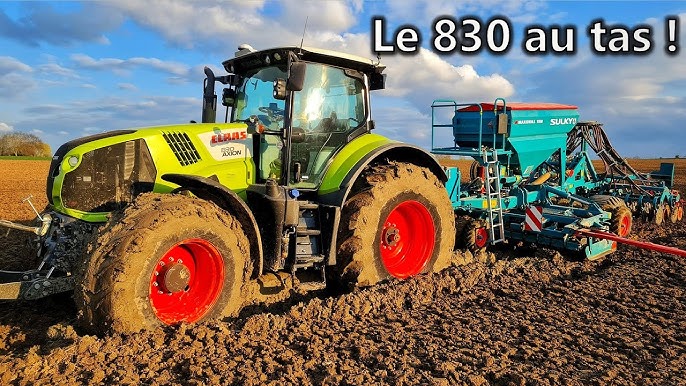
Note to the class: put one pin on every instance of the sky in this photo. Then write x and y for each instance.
(69, 69)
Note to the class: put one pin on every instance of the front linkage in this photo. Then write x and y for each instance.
(60, 241)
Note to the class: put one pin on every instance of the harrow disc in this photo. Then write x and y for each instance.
(659, 214)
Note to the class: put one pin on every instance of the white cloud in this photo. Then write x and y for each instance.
(223, 27)
(110, 113)
(5, 127)
(426, 77)
(331, 16)
(36, 131)
(424, 11)
(189, 23)
(401, 121)
(124, 65)
(14, 81)
(171, 67)
(62, 132)
(43, 23)
(127, 86)
(54, 69)
(9, 64)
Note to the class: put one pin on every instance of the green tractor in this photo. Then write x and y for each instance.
(163, 225)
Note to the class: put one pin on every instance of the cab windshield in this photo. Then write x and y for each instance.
(255, 96)
(331, 101)
(330, 106)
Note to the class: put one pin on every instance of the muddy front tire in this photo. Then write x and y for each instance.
(166, 259)
(401, 225)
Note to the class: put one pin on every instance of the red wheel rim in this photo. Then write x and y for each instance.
(624, 225)
(407, 239)
(480, 237)
(186, 281)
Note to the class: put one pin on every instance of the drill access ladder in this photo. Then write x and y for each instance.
(493, 195)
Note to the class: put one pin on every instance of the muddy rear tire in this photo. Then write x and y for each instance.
(166, 259)
(402, 224)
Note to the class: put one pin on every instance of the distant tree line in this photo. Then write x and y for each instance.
(23, 144)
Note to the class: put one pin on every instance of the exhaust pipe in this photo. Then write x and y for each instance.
(209, 98)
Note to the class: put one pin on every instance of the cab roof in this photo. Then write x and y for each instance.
(253, 59)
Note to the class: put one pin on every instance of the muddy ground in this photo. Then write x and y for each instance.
(530, 317)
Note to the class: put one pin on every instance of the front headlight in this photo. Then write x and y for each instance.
(73, 161)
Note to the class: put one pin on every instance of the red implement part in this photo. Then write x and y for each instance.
(635, 243)
(481, 237)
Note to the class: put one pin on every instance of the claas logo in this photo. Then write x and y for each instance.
(232, 136)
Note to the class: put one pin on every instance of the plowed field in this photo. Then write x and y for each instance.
(526, 317)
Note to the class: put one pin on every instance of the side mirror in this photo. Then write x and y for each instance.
(280, 89)
(377, 81)
(296, 77)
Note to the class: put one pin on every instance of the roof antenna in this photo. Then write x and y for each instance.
(303, 38)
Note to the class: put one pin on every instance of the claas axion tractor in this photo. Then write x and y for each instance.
(169, 224)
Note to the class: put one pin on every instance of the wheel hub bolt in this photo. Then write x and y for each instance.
(176, 278)
(391, 236)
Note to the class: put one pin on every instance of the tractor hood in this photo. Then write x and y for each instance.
(92, 176)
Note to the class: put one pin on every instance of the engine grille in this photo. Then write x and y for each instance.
(183, 148)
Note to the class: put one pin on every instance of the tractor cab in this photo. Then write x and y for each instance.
(301, 106)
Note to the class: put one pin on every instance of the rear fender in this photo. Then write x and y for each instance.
(340, 183)
(210, 190)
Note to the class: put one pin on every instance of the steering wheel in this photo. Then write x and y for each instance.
(274, 113)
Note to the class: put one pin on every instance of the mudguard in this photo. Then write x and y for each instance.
(366, 150)
(210, 190)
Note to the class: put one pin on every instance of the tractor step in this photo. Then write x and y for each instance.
(309, 260)
(301, 231)
(308, 205)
